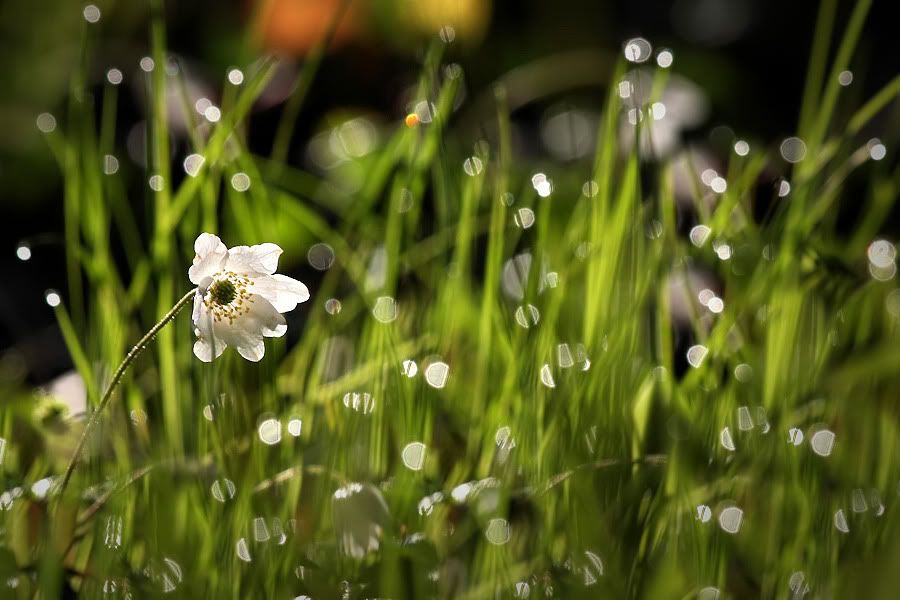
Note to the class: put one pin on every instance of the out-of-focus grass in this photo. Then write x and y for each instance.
(565, 453)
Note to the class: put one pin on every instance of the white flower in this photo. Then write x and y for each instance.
(239, 297)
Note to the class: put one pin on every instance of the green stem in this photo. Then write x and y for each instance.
(117, 376)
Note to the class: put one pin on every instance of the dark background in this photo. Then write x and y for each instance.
(748, 56)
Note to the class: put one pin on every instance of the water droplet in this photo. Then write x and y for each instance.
(360, 402)
(333, 306)
(892, 303)
(91, 13)
(793, 149)
(112, 534)
(235, 76)
(590, 189)
(473, 166)
(270, 431)
(745, 421)
(822, 442)
(202, 104)
(845, 78)
(716, 305)
(718, 185)
(114, 76)
(741, 148)
(436, 374)
(795, 436)
(877, 150)
(212, 114)
(23, 252)
(223, 490)
(708, 593)
(385, 309)
(497, 532)
(156, 183)
(147, 64)
(2, 449)
(542, 185)
(426, 506)
(46, 122)
(638, 50)
(41, 487)
(524, 218)
(743, 372)
(52, 298)
(410, 368)
(447, 34)
(522, 589)
(320, 256)
(564, 356)
(784, 188)
(665, 58)
(414, 455)
(840, 521)
(193, 163)
(527, 315)
(260, 530)
(547, 377)
(705, 295)
(242, 550)
(881, 254)
(730, 519)
(295, 427)
(110, 164)
(704, 513)
(726, 440)
(696, 354)
(699, 235)
(858, 501)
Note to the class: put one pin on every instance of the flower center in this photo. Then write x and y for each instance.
(229, 296)
(223, 292)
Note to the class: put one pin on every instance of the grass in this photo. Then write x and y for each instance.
(579, 456)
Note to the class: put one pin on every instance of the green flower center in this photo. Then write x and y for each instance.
(223, 292)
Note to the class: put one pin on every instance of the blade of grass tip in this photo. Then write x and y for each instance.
(841, 62)
(304, 81)
(818, 58)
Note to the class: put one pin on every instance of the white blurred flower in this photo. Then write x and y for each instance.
(239, 297)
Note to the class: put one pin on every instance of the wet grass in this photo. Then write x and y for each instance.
(589, 429)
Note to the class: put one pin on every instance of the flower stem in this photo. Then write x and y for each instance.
(117, 376)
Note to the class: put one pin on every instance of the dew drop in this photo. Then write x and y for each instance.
(436, 374)
(270, 431)
(524, 218)
(46, 122)
(822, 442)
(240, 182)
(193, 164)
(414, 456)
(114, 76)
(730, 519)
(527, 315)
(497, 532)
(385, 309)
(840, 521)
(696, 354)
(704, 513)
(333, 306)
(320, 256)
(235, 76)
(473, 166)
(699, 235)
(793, 149)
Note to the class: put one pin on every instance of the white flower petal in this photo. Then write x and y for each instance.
(254, 351)
(267, 320)
(283, 292)
(208, 345)
(211, 254)
(246, 331)
(262, 258)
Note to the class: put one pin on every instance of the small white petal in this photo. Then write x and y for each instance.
(262, 258)
(211, 253)
(268, 320)
(253, 351)
(282, 291)
(208, 346)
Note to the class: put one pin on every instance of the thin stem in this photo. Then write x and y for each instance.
(117, 376)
